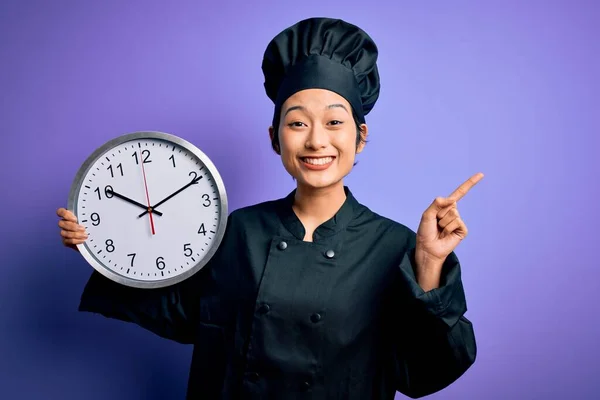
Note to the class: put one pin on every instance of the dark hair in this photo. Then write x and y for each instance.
(277, 121)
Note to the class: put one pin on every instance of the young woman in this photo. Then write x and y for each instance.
(314, 295)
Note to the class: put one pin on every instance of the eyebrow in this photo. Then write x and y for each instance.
(338, 105)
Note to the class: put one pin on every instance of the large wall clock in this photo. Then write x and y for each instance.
(154, 207)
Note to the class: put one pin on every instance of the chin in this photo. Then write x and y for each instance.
(318, 182)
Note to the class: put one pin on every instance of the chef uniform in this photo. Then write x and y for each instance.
(342, 317)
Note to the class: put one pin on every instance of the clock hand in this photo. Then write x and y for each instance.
(193, 182)
(108, 190)
(147, 196)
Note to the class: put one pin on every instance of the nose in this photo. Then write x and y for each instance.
(317, 138)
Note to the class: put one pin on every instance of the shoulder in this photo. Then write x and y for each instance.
(383, 227)
(257, 216)
(263, 209)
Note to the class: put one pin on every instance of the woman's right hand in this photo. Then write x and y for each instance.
(71, 232)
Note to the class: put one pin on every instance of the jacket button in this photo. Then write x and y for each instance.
(329, 253)
(282, 245)
(316, 317)
(305, 386)
(265, 308)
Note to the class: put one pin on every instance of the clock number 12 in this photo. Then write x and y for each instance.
(145, 153)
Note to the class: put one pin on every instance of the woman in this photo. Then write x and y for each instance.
(314, 295)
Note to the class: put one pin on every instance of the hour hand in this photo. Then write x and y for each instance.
(127, 199)
(193, 182)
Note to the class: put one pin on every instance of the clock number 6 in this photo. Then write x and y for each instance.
(160, 264)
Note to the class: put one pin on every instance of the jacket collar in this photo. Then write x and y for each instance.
(334, 225)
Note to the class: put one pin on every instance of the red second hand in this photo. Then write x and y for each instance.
(147, 196)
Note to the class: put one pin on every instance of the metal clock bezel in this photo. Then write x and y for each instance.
(78, 181)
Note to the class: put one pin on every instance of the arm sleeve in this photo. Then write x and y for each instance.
(435, 343)
(168, 312)
(172, 312)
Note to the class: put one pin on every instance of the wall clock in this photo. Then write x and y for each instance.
(154, 207)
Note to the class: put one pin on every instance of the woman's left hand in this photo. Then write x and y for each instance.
(441, 229)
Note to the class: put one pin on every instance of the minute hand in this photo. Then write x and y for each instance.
(193, 182)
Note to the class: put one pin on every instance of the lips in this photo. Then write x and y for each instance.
(317, 163)
(317, 160)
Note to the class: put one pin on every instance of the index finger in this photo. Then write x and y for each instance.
(465, 187)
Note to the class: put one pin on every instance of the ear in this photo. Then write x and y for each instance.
(273, 145)
(364, 132)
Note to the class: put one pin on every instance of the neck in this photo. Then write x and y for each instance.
(319, 205)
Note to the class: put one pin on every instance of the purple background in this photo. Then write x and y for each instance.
(501, 87)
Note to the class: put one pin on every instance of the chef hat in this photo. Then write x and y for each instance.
(323, 53)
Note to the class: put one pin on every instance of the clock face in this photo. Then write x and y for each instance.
(124, 179)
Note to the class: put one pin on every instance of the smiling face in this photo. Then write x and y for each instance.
(318, 138)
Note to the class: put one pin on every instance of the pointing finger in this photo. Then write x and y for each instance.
(465, 187)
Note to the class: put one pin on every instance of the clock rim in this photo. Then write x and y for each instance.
(223, 208)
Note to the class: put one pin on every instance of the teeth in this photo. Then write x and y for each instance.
(318, 161)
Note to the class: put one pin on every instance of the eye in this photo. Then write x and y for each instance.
(336, 122)
(296, 124)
